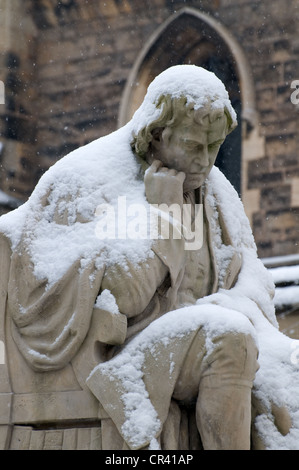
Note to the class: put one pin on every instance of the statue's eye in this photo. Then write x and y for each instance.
(191, 144)
(215, 145)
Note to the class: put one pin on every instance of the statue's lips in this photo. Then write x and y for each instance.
(195, 179)
(198, 174)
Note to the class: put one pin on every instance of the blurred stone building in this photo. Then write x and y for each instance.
(75, 70)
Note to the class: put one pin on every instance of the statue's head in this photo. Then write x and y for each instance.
(183, 120)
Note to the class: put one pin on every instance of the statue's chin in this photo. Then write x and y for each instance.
(193, 182)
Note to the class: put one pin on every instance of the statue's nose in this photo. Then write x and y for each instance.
(202, 160)
(205, 157)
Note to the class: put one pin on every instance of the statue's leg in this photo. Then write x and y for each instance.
(221, 377)
(193, 357)
(223, 409)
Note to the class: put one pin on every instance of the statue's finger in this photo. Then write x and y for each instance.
(181, 176)
(155, 166)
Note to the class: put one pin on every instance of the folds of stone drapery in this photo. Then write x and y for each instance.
(50, 324)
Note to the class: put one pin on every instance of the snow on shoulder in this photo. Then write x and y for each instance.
(58, 222)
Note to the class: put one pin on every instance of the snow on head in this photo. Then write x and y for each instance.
(196, 84)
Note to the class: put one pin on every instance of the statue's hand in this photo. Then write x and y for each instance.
(163, 185)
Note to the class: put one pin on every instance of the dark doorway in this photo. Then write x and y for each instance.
(229, 157)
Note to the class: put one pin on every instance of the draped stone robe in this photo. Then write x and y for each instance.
(49, 324)
(58, 335)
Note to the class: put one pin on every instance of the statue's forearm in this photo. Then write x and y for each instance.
(133, 288)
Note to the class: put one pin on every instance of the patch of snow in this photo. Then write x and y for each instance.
(196, 84)
(286, 296)
(106, 301)
(285, 274)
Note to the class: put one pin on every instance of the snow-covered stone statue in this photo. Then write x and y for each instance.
(132, 297)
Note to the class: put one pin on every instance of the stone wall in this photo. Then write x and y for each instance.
(66, 76)
(17, 122)
(272, 48)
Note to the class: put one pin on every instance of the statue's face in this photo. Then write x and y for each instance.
(192, 148)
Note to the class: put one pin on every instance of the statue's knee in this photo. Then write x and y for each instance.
(235, 353)
(239, 343)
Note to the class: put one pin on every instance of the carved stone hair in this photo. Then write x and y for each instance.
(172, 112)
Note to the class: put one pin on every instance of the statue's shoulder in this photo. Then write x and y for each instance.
(10, 227)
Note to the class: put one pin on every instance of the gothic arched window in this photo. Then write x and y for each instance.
(190, 37)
